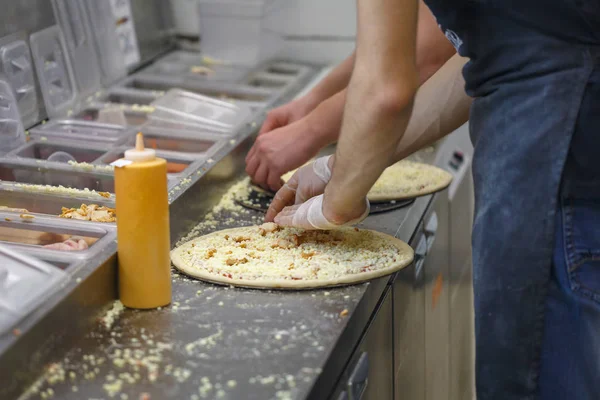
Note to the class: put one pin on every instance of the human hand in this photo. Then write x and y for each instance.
(307, 182)
(279, 151)
(287, 114)
(311, 215)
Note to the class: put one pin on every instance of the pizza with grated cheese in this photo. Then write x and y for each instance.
(403, 180)
(271, 257)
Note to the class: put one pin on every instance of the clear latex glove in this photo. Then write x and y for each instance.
(309, 215)
(309, 181)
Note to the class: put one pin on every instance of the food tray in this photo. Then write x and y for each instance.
(176, 165)
(180, 145)
(56, 151)
(233, 93)
(21, 171)
(25, 199)
(134, 115)
(31, 232)
(127, 96)
(198, 71)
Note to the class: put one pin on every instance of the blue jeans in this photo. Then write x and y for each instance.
(536, 236)
(570, 363)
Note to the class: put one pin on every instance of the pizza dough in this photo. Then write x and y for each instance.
(404, 180)
(269, 256)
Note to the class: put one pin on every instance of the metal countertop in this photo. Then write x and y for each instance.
(221, 342)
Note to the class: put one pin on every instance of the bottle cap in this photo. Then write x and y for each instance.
(140, 154)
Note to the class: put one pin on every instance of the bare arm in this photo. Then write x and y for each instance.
(440, 107)
(378, 104)
(333, 83)
(433, 50)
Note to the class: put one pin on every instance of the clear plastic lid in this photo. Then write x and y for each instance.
(106, 40)
(17, 66)
(81, 130)
(12, 134)
(54, 71)
(73, 21)
(25, 283)
(182, 106)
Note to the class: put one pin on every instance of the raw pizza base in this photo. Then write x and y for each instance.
(359, 249)
(403, 180)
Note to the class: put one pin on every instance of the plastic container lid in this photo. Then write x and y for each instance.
(17, 66)
(25, 283)
(112, 115)
(12, 134)
(54, 71)
(186, 107)
(72, 18)
(81, 130)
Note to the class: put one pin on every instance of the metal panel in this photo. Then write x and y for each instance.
(437, 301)
(409, 329)
(370, 373)
(462, 324)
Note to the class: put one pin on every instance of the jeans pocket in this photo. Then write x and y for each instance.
(582, 246)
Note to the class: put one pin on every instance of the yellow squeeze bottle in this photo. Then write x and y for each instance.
(143, 228)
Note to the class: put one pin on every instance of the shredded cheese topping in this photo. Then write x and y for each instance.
(270, 252)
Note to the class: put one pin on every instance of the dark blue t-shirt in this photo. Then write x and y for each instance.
(489, 31)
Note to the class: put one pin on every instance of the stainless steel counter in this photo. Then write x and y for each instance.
(221, 342)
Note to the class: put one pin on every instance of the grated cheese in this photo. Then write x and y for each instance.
(269, 253)
(57, 190)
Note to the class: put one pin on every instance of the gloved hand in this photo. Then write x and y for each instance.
(309, 215)
(309, 181)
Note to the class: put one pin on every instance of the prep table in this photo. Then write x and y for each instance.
(218, 342)
(221, 342)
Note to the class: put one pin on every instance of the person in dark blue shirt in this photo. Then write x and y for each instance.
(530, 87)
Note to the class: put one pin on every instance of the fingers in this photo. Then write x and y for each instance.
(260, 177)
(251, 153)
(273, 121)
(286, 216)
(274, 180)
(284, 197)
(252, 165)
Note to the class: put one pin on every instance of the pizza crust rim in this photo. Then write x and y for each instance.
(443, 184)
(354, 279)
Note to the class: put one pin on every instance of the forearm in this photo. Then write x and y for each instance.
(334, 82)
(378, 104)
(325, 121)
(440, 107)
